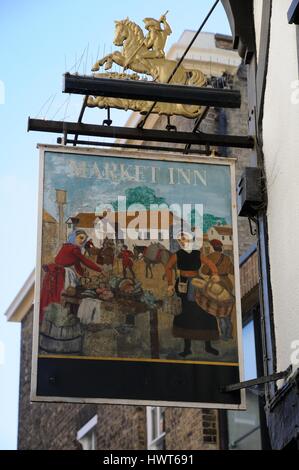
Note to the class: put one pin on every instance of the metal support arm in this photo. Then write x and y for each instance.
(131, 133)
(258, 381)
(151, 91)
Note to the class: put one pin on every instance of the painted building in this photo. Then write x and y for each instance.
(139, 228)
(223, 233)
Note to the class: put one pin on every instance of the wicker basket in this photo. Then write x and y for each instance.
(213, 298)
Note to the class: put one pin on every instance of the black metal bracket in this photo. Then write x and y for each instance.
(170, 127)
(108, 121)
(259, 381)
(253, 231)
(132, 133)
(151, 91)
(64, 140)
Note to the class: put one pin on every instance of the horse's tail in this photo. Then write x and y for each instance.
(196, 78)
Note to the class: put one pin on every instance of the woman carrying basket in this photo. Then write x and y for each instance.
(193, 323)
(226, 272)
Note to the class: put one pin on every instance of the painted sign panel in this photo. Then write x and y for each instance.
(137, 296)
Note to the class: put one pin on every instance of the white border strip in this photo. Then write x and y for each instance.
(23, 292)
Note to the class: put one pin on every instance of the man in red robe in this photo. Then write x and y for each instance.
(126, 256)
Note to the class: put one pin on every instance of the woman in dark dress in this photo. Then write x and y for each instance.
(193, 322)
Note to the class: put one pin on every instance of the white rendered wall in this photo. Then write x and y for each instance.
(281, 150)
(258, 9)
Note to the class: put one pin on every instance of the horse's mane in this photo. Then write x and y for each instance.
(135, 28)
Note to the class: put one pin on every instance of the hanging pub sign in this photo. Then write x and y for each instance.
(137, 282)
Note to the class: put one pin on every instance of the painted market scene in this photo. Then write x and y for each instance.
(105, 273)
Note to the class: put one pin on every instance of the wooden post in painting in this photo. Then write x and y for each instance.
(61, 201)
(154, 333)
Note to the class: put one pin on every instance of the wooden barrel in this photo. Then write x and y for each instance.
(60, 339)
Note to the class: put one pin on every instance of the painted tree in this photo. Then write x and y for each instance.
(140, 195)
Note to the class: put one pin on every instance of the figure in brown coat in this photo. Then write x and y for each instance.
(225, 269)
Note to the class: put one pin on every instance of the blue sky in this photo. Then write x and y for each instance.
(40, 40)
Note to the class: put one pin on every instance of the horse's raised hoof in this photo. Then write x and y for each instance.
(95, 68)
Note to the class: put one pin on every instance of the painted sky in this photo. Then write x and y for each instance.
(91, 181)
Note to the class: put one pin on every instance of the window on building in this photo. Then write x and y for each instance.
(246, 429)
(155, 418)
(223, 238)
(87, 436)
(293, 12)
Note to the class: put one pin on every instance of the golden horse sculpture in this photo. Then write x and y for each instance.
(145, 55)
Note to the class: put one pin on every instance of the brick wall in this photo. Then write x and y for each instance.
(249, 274)
(238, 125)
(191, 429)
